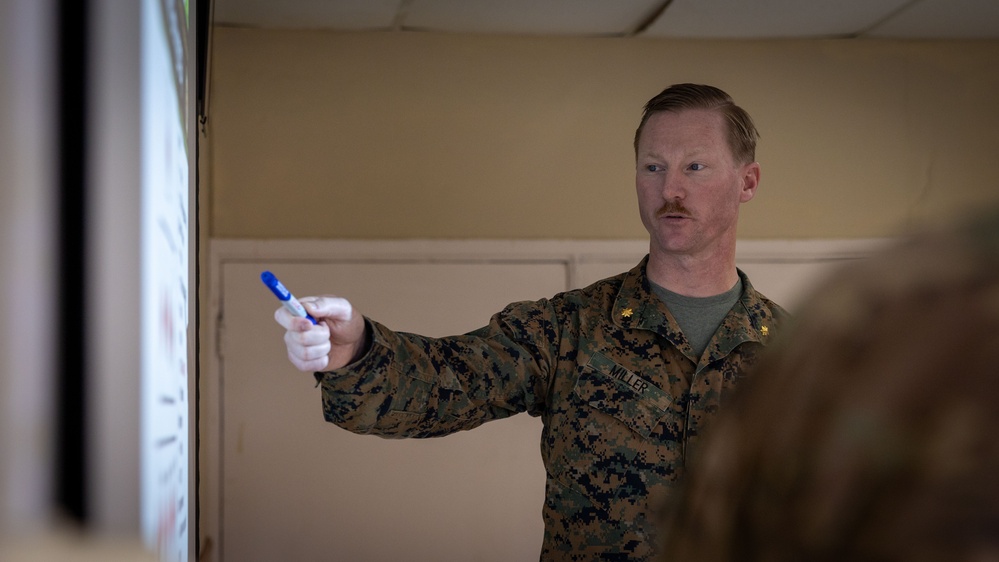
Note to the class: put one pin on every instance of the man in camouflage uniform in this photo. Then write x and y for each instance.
(624, 373)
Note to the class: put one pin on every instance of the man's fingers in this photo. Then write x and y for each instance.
(288, 321)
(311, 335)
(308, 350)
(308, 365)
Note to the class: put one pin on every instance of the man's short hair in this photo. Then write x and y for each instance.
(742, 133)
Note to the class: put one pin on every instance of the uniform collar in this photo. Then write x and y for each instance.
(636, 307)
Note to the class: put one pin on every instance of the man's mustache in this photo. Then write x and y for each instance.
(672, 208)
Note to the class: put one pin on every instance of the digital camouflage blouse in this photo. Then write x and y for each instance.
(606, 367)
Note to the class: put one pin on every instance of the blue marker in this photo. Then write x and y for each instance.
(284, 295)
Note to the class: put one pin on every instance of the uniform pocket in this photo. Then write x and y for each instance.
(626, 396)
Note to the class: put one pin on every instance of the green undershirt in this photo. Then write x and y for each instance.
(699, 317)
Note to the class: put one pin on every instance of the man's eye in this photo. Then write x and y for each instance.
(696, 167)
(652, 168)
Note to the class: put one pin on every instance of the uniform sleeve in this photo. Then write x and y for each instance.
(409, 385)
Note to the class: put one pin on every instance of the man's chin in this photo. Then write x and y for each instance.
(673, 246)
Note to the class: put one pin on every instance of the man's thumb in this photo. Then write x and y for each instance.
(334, 308)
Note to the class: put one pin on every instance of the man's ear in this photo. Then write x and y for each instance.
(750, 181)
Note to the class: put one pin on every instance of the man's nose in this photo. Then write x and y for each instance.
(673, 186)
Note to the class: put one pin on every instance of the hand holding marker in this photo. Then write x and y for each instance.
(284, 295)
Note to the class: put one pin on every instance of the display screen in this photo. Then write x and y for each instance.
(165, 277)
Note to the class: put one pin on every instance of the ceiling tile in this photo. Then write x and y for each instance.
(943, 19)
(770, 18)
(306, 14)
(705, 19)
(532, 17)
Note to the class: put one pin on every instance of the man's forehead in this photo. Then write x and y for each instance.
(688, 115)
(694, 128)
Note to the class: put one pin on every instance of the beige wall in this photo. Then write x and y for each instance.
(371, 135)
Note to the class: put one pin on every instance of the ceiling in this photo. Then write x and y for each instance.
(680, 19)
